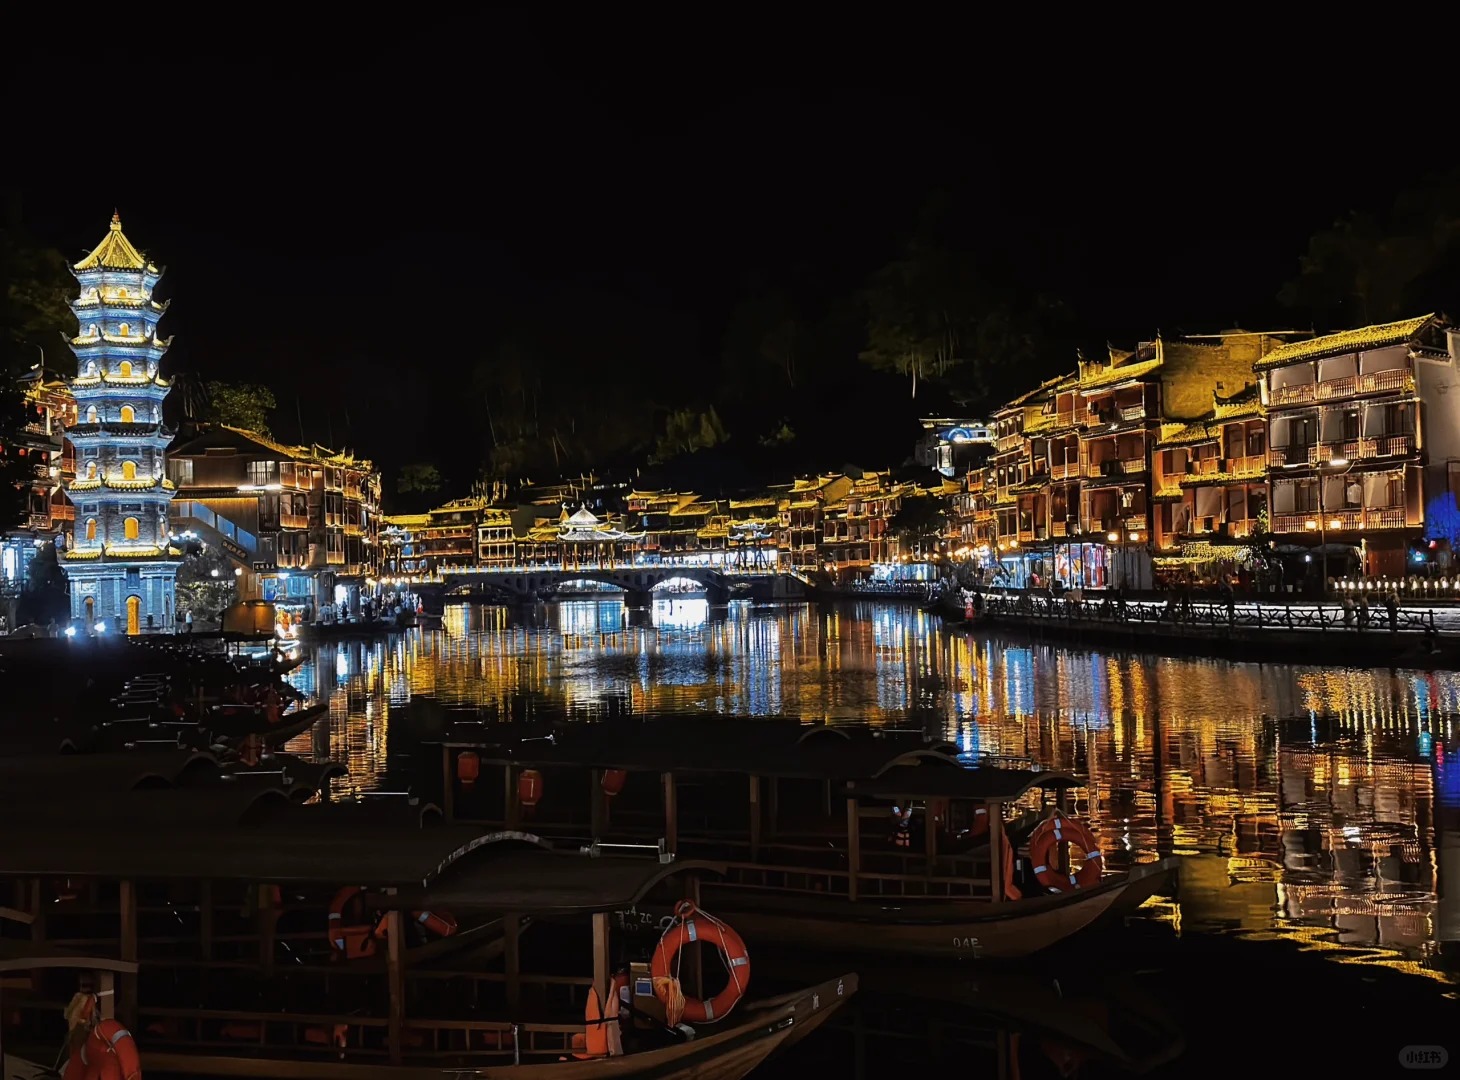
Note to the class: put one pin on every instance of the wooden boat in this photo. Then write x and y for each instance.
(215, 947)
(339, 630)
(783, 805)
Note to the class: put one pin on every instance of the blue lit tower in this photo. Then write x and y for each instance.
(121, 570)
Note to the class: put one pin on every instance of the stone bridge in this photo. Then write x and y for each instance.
(637, 583)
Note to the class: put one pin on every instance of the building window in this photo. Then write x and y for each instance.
(129, 528)
(129, 414)
(91, 529)
(91, 470)
(129, 470)
(121, 294)
(124, 330)
(182, 472)
(91, 369)
(91, 409)
(124, 369)
(262, 472)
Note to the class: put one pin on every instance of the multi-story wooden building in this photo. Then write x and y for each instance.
(303, 521)
(1363, 429)
(416, 547)
(800, 507)
(856, 535)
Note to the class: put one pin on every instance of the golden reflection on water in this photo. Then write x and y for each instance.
(1304, 799)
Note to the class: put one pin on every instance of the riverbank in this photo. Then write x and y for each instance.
(1426, 638)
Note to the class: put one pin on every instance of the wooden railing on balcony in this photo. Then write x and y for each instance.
(1059, 527)
(1116, 467)
(1132, 412)
(1063, 469)
(1252, 465)
(1065, 418)
(1279, 456)
(1386, 446)
(1344, 450)
(1136, 522)
(1373, 382)
(1346, 520)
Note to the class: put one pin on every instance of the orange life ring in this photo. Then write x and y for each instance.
(613, 781)
(440, 923)
(109, 1053)
(529, 788)
(1011, 889)
(1044, 843)
(349, 940)
(732, 952)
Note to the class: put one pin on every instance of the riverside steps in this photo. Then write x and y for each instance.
(1297, 633)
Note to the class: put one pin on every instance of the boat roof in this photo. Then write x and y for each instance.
(546, 882)
(989, 783)
(280, 852)
(776, 748)
(22, 954)
(84, 778)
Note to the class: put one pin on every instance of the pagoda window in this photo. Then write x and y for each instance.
(91, 413)
(124, 369)
(128, 415)
(129, 528)
(125, 330)
(91, 528)
(129, 470)
(91, 470)
(121, 294)
(91, 330)
(91, 370)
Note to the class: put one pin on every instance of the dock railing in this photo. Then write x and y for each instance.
(1209, 615)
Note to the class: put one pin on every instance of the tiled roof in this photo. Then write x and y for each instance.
(115, 252)
(1186, 434)
(1345, 341)
(1246, 402)
(1123, 373)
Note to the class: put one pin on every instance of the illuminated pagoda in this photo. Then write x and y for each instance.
(121, 569)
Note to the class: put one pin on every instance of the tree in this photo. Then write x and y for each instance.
(206, 583)
(1370, 268)
(241, 405)
(1442, 521)
(34, 314)
(920, 521)
(192, 397)
(422, 477)
(687, 431)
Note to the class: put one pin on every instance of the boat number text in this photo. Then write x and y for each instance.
(970, 943)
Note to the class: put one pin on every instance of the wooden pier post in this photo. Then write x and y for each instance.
(510, 813)
(395, 967)
(601, 972)
(597, 805)
(854, 845)
(127, 1007)
(448, 787)
(512, 960)
(755, 816)
(205, 917)
(997, 840)
(671, 814)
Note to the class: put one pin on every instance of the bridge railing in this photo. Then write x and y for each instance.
(605, 568)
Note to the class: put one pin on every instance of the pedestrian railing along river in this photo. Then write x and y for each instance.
(1205, 615)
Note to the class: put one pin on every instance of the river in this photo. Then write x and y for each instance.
(1311, 805)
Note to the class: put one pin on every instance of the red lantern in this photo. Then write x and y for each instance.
(613, 781)
(468, 767)
(529, 788)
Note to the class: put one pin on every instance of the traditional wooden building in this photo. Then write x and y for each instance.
(417, 547)
(302, 521)
(1363, 430)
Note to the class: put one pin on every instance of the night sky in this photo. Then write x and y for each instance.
(355, 225)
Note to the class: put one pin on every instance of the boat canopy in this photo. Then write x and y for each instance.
(85, 777)
(544, 883)
(987, 784)
(25, 955)
(771, 748)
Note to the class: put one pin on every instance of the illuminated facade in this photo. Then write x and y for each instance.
(1363, 429)
(462, 533)
(302, 521)
(120, 566)
(1068, 493)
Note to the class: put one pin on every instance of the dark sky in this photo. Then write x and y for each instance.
(351, 208)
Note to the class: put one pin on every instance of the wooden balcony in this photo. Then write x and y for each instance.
(1347, 520)
(1132, 412)
(1116, 467)
(1065, 470)
(1386, 446)
(1374, 382)
(1136, 523)
(1059, 527)
(1279, 456)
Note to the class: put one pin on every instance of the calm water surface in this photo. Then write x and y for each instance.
(1319, 807)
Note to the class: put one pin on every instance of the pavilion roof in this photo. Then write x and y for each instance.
(115, 252)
